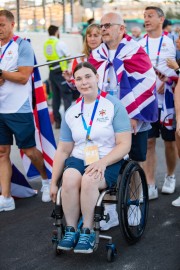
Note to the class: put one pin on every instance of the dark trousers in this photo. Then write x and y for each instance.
(60, 92)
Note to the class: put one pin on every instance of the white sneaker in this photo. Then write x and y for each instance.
(46, 193)
(134, 215)
(176, 202)
(113, 221)
(169, 184)
(6, 204)
(152, 192)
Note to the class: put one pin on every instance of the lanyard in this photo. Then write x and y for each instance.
(159, 49)
(2, 54)
(92, 116)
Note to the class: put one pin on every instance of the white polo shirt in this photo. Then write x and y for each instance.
(167, 51)
(16, 97)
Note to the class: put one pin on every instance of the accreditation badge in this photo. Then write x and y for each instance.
(91, 153)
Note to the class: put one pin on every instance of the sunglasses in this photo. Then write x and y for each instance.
(108, 25)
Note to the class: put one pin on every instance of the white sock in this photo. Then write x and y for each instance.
(46, 182)
(7, 199)
(152, 186)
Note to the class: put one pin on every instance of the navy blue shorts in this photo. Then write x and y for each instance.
(111, 172)
(139, 146)
(158, 129)
(21, 125)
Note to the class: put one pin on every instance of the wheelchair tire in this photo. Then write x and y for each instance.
(110, 255)
(133, 201)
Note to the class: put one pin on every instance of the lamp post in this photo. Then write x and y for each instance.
(18, 15)
(72, 15)
(44, 14)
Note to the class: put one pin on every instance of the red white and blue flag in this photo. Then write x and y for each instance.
(20, 188)
(135, 76)
(168, 110)
(45, 141)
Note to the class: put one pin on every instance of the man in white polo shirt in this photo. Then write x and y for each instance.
(159, 47)
(16, 118)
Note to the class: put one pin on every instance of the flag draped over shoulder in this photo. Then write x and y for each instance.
(45, 141)
(135, 76)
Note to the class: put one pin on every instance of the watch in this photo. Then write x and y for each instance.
(177, 71)
(1, 72)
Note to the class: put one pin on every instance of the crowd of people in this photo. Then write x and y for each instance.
(128, 91)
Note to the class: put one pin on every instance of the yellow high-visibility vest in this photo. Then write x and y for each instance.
(51, 54)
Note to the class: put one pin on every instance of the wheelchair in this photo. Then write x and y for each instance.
(131, 198)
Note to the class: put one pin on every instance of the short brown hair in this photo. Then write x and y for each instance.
(157, 9)
(86, 65)
(8, 14)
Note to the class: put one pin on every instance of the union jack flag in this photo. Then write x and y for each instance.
(135, 77)
(168, 110)
(20, 188)
(45, 141)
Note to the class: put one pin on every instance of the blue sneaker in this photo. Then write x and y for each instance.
(69, 240)
(86, 242)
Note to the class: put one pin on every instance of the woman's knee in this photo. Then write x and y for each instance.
(71, 181)
(88, 183)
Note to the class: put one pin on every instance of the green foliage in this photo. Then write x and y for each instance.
(172, 15)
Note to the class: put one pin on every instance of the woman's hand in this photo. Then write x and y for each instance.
(172, 64)
(96, 169)
(134, 125)
(53, 192)
(67, 75)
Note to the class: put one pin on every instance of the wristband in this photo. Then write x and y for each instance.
(1, 72)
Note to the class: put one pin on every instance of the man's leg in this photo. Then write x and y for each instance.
(36, 158)
(171, 156)
(56, 98)
(178, 143)
(6, 201)
(149, 165)
(5, 170)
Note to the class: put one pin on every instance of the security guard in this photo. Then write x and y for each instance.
(55, 49)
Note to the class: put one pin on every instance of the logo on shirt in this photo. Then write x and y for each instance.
(164, 44)
(102, 113)
(9, 55)
(103, 117)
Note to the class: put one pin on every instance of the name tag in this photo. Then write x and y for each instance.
(91, 154)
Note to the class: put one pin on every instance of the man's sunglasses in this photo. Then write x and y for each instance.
(108, 25)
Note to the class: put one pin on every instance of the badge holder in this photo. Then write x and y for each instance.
(91, 153)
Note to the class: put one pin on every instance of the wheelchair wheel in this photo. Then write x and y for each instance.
(132, 204)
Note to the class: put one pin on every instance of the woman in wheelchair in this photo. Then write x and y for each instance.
(95, 135)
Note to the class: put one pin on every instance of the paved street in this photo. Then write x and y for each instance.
(25, 236)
